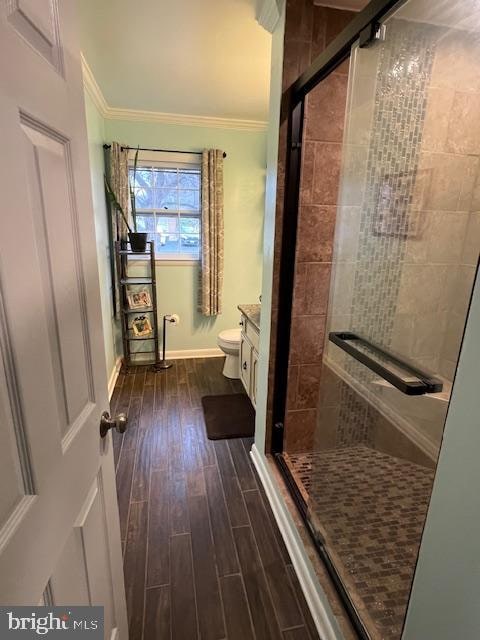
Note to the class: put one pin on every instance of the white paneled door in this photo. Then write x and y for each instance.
(59, 533)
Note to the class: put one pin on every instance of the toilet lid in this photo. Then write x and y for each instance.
(230, 335)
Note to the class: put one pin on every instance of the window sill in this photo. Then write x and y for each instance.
(174, 262)
(177, 263)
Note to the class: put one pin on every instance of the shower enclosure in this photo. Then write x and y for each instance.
(405, 255)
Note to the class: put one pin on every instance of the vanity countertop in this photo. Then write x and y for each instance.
(252, 313)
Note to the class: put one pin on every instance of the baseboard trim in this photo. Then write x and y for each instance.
(193, 353)
(114, 376)
(185, 354)
(317, 601)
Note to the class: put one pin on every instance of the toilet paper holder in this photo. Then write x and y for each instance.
(172, 319)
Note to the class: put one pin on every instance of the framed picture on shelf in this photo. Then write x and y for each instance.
(141, 326)
(139, 299)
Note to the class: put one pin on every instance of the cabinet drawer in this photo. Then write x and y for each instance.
(252, 335)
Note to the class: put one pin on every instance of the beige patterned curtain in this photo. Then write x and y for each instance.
(118, 174)
(116, 161)
(210, 299)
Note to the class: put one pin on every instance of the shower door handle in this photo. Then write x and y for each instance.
(401, 375)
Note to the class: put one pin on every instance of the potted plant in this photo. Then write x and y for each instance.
(138, 240)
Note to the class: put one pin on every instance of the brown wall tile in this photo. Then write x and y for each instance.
(336, 21)
(292, 387)
(306, 340)
(312, 283)
(319, 30)
(308, 30)
(308, 167)
(315, 233)
(296, 59)
(328, 157)
(308, 385)
(326, 109)
(299, 20)
(299, 430)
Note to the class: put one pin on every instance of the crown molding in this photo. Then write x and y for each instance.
(267, 14)
(92, 88)
(137, 115)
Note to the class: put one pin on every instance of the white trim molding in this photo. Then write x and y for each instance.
(135, 115)
(267, 14)
(114, 376)
(186, 354)
(92, 88)
(322, 615)
(138, 115)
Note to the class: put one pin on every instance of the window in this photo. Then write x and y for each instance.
(167, 199)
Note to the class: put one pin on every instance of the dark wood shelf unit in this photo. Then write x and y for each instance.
(139, 280)
(126, 252)
(123, 255)
(135, 311)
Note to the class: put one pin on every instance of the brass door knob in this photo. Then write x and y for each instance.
(119, 423)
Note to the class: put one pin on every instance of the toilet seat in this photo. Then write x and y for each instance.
(230, 336)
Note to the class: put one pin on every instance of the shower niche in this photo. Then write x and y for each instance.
(378, 357)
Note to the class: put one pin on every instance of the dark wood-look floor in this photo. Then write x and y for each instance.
(203, 556)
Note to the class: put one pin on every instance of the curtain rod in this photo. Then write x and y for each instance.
(197, 153)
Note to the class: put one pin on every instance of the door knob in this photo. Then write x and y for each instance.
(119, 423)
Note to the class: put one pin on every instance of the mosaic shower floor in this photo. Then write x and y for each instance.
(370, 509)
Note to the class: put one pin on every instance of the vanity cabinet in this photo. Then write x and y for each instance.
(248, 360)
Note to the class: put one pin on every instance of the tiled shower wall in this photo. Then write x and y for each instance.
(408, 231)
(424, 260)
(378, 213)
(309, 29)
(421, 145)
(446, 255)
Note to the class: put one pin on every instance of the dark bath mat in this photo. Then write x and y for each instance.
(228, 416)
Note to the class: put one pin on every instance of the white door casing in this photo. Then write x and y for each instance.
(59, 532)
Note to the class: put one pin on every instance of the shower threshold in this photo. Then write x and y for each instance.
(367, 509)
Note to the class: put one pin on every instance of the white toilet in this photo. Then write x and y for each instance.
(229, 343)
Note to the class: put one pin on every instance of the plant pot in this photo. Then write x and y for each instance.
(138, 241)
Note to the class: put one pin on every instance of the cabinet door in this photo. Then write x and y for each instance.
(253, 394)
(245, 362)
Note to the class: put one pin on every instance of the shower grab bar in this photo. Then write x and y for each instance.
(414, 383)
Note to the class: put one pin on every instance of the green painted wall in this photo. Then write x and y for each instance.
(244, 182)
(244, 176)
(96, 134)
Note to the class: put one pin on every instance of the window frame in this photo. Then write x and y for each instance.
(174, 160)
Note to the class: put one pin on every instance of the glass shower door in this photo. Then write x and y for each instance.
(406, 250)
